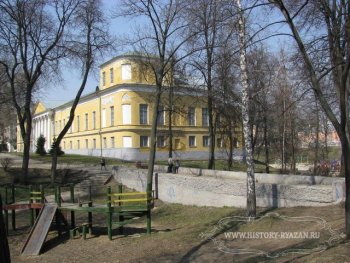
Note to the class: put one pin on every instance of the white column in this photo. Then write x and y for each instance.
(48, 139)
(44, 126)
(33, 134)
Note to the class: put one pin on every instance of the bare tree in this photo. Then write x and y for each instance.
(31, 41)
(251, 197)
(165, 38)
(89, 40)
(330, 41)
(210, 21)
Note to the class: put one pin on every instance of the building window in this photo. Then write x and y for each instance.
(94, 120)
(126, 72)
(143, 113)
(127, 142)
(86, 121)
(205, 117)
(160, 141)
(103, 78)
(94, 143)
(218, 121)
(192, 141)
(86, 143)
(70, 145)
(111, 76)
(143, 141)
(219, 142)
(104, 142)
(191, 116)
(60, 128)
(78, 123)
(205, 141)
(103, 118)
(71, 128)
(160, 120)
(112, 142)
(64, 145)
(78, 144)
(126, 111)
(112, 116)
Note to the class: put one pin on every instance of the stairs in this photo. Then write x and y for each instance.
(96, 178)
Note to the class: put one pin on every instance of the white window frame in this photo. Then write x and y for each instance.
(190, 143)
(111, 75)
(126, 71)
(208, 141)
(126, 112)
(127, 142)
(142, 145)
(143, 110)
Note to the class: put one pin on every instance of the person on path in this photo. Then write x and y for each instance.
(170, 165)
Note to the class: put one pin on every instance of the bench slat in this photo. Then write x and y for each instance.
(128, 194)
(129, 200)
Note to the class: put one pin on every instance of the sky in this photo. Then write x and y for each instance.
(62, 92)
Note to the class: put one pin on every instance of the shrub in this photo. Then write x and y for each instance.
(40, 145)
(6, 163)
(58, 149)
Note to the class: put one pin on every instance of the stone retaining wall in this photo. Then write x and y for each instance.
(226, 190)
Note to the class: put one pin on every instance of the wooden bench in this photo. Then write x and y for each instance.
(127, 206)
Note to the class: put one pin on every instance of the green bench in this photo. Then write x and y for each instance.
(128, 206)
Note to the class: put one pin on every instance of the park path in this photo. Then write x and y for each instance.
(93, 176)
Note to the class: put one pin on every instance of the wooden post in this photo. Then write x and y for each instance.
(120, 217)
(72, 213)
(156, 184)
(6, 212)
(90, 219)
(84, 230)
(90, 213)
(13, 212)
(59, 196)
(42, 195)
(57, 215)
(31, 209)
(4, 246)
(149, 226)
(109, 214)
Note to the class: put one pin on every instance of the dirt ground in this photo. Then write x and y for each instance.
(198, 234)
(193, 234)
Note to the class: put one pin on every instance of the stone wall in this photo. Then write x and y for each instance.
(221, 190)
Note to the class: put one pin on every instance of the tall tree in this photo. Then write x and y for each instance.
(165, 38)
(325, 52)
(90, 40)
(251, 197)
(32, 35)
(209, 20)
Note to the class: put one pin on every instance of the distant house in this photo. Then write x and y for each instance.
(309, 139)
(115, 120)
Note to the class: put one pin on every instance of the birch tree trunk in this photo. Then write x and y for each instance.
(251, 198)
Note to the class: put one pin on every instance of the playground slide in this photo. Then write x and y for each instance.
(39, 231)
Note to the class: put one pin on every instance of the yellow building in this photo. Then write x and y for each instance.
(115, 121)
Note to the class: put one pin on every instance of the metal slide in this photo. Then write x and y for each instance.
(39, 231)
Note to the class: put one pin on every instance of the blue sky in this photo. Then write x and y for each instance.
(65, 91)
